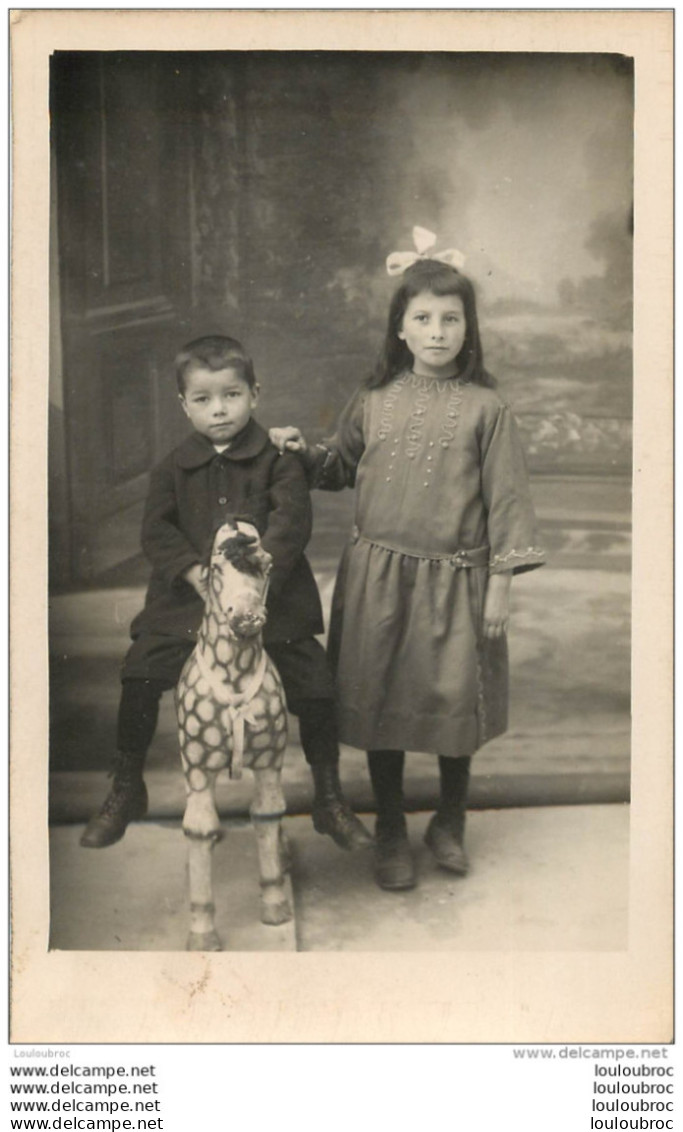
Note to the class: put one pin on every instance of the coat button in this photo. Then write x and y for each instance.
(222, 501)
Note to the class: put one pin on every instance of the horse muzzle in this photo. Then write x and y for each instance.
(246, 623)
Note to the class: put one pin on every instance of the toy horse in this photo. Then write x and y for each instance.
(231, 713)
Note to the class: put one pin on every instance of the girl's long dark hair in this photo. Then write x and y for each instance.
(438, 279)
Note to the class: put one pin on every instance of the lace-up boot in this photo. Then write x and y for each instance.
(126, 801)
(331, 813)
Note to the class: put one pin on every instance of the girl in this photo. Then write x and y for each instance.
(443, 519)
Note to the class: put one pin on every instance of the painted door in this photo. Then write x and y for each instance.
(123, 222)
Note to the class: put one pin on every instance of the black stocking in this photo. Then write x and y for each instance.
(386, 775)
(138, 714)
(455, 776)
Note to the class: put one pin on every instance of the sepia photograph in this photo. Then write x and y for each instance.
(340, 459)
(218, 199)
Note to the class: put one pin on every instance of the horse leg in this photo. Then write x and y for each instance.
(285, 851)
(267, 811)
(201, 826)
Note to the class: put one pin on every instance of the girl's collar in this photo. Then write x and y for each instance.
(420, 381)
(451, 376)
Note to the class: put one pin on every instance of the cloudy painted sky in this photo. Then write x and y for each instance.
(522, 162)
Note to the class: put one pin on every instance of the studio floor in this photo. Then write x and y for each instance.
(542, 879)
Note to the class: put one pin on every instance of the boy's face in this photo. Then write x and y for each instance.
(218, 402)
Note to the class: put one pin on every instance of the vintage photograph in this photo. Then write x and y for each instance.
(353, 459)
(417, 269)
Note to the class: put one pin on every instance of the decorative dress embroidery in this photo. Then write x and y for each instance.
(452, 411)
(386, 418)
(498, 559)
(416, 424)
(481, 704)
(424, 388)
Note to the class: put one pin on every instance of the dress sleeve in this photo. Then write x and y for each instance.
(505, 488)
(332, 464)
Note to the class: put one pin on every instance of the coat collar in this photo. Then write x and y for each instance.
(198, 450)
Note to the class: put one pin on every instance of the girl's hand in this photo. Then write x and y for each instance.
(198, 577)
(497, 605)
(289, 439)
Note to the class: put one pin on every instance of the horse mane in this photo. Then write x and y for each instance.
(235, 548)
(239, 551)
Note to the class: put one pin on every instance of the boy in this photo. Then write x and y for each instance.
(227, 466)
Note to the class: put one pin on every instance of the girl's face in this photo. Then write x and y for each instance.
(434, 329)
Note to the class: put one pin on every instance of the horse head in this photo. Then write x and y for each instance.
(239, 568)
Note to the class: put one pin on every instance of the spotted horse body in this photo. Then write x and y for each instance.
(231, 713)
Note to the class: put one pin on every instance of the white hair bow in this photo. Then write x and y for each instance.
(424, 240)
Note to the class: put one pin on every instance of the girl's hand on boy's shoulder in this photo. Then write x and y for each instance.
(288, 439)
(198, 577)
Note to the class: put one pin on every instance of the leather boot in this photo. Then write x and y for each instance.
(331, 813)
(125, 802)
(394, 864)
(446, 831)
(444, 837)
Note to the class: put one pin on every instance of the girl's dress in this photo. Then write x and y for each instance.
(442, 500)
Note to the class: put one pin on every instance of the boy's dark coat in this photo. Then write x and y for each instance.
(190, 491)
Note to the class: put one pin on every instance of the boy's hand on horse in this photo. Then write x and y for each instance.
(288, 439)
(497, 605)
(198, 577)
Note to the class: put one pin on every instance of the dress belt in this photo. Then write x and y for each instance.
(458, 559)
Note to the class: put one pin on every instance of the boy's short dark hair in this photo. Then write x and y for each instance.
(215, 352)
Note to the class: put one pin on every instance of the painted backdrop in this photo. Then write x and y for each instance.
(266, 190)
(523, 162)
